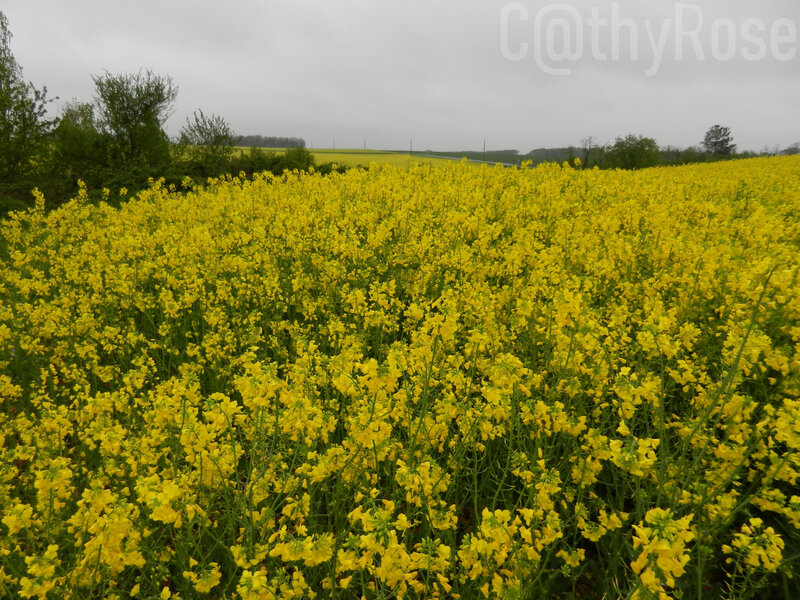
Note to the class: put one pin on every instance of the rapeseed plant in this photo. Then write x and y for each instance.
(449, 382)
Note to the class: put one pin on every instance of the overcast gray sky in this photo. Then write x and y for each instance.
(447, 74)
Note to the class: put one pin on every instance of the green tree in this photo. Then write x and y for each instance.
(719, 141)
(208, 140)
(791, 150)
(80, 149)
(297, 158)
(633, 152)
(692, 155)
(132, 110)
(589, 149)
(23, 114)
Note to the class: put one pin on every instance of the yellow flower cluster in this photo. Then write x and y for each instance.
(663, 545)
(439, 382)
(759, 547)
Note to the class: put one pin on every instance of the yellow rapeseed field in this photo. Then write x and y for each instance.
(435, 382)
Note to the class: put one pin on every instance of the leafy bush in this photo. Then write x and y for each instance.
(632, 152)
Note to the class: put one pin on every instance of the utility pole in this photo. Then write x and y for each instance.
(484, 151)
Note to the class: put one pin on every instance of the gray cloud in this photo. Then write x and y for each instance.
(432, 71)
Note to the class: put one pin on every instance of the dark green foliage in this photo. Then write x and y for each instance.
(329, 167)
(692, 155)
(632, 152)
(255, 161)
(545, 155)
(791, 150)
(686, 156)
(24, 130)
(261, 141)
(590, 152)
(80, 150)
(207, 141)
(298, 158)
(719, 141)
(23, 123)
(132, 109)
(258, 161)
(85, 149)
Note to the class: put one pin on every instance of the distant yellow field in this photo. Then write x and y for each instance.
(353, 158)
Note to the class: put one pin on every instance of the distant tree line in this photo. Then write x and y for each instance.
(638, 152)
(791, 150)
(263, 141)
(631, 151)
